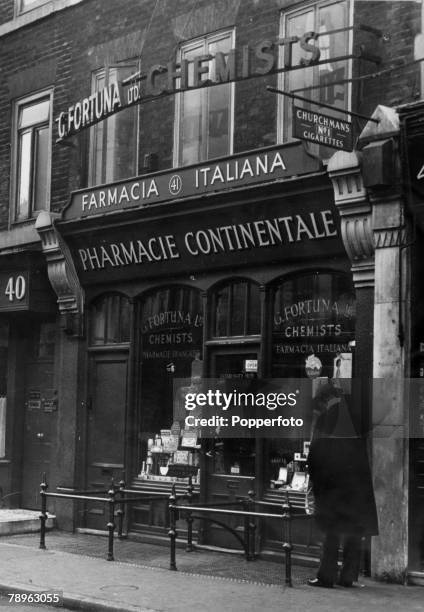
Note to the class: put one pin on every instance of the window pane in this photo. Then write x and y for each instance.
(98, 322)
(219, 104)
(254, 312)
(33, 114)
(24, 175)
(191, 113)
(41, 169)
(112, 325)
(124, 332)
(238, 309)
(297, 25)
(221, 312)
(219, 121)
(335, 45)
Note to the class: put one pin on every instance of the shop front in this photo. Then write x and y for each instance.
(241, 281)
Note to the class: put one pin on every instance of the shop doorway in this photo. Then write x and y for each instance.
(106, 417)
(40, 412)
(230, 468)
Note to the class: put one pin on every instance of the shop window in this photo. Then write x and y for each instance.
(322, 18)
(109, 321)
(113, 142)
(313, 326)
(171, 335)
(27, 5)
(236, 309)
(32, 155)
(204, 116)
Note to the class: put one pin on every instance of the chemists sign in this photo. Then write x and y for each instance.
(322, 129)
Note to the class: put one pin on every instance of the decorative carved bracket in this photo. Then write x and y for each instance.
(62, 274)
(355, 210)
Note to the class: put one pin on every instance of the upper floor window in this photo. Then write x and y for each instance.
(32, 155)
(204, 116)
(327, 19)
(113, 142)
(27, 5)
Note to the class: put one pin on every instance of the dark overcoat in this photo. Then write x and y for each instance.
(340, 472)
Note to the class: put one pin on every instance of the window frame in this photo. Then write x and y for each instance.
(18, 105)
(21, 10)
(282, 101)
(133, 65)
(187, 46)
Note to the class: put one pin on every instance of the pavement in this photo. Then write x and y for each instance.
(74, 566)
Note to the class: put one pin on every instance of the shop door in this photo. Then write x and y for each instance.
(106, 416)
(40, 419)
(231, 461)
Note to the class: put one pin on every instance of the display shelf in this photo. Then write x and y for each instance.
(161, 485)
(297, 499)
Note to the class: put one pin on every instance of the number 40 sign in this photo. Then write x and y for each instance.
(13, 291)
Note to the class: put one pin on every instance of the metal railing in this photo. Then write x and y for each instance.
(249, 516)
(117, 497)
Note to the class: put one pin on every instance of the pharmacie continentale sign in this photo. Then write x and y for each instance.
(264, 165)
(289, 227)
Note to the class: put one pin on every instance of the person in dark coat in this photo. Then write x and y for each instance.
(340, 475)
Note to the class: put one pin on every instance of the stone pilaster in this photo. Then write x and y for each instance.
(390, 406)
(389, 559)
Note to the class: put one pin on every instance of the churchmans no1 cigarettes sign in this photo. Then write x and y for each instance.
(322, 129)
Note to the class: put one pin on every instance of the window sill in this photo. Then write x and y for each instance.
(35, 14)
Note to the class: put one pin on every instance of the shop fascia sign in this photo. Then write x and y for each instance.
(176, 77)
(266, 165)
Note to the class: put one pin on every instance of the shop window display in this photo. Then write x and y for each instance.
(171, 327)
(313, 337)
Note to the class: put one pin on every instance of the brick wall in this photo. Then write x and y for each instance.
(62, 50)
